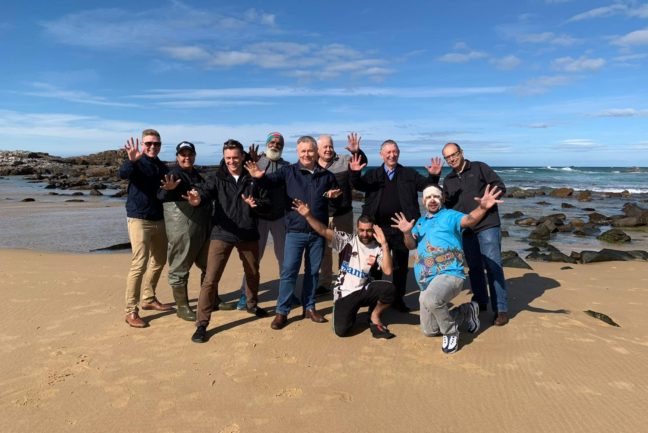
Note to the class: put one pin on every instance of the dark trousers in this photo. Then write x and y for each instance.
(345, 310)
(400, 261)
(219, 252)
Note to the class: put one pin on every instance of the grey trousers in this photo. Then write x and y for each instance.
(436, 317)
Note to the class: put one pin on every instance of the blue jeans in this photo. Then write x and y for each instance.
(483, 251)
(311, 246)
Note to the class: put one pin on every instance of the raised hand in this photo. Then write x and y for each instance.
(253, 151)
(132, 149)
(436, 164)
(379, 235)
(490, 197)
(193, 197)
(401, 222)
(355, 163)
(169, 182)
(302, 208)
(333, 193)
(253, 169)
(249, 200)
(353, 141)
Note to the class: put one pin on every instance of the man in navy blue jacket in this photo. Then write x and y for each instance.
(313, 185)
(146, 231)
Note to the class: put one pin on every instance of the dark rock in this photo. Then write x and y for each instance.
(598, 218)
(577, 222)
(589, 209)
(605, 255)
(543, 203)
(505, 233)
(528, 221)
(564, 268)
(602, 317)
(75, 200)
(614, 236)
(517, 192)
(511, 215)
(630, 222)
(556, 219)
(77, 193)
(562, 192)
(633, 210)
(94, 192)
(584, 196)
(575, 255)
(566, 228)
(566, 206)
(510, 259)
(28, 199)
(541, 232)
(552, 256)
(538, 244)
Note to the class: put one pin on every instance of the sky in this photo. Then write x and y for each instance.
(515, 83)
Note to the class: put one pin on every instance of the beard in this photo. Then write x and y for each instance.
(272, 154)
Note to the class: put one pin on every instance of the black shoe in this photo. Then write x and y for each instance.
(200, 336)
(380, 331)
(257, 311)
(400, 307)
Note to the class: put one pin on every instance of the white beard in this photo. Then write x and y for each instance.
(273, 155)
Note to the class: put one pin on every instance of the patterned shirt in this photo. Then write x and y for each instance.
(356, 260)
(439, 249)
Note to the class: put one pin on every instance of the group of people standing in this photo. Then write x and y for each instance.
(178, 214)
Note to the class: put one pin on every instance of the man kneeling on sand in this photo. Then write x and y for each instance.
(354, 287)
(438, 266)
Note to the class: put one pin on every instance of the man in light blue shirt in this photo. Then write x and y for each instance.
(438, 265)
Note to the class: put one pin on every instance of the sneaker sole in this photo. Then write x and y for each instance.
(474, 316)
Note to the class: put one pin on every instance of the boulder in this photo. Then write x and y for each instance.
(556, 219)
(577, 222)
(584, 196)
(633, 210)
(528, 221)
(552, 256)
(598, 218)
(562, 192)
(605, 255)
(511, 215)
(541, 232)
(566, 206)
(614, 236)
(511, 259)
(629, 222)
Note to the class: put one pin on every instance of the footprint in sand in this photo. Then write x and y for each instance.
(290, 393)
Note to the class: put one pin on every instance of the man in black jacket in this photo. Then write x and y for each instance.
(146, 232)
(389, 189)
(482, 243)
(235, 196)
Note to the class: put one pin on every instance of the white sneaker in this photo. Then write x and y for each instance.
(450, 343)
(473, 317)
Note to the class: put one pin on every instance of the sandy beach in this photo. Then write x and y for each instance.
(70, 363)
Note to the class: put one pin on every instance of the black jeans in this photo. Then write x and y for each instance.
(400, 261)
(346, 309)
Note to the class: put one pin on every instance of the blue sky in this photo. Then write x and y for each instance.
(527, 82)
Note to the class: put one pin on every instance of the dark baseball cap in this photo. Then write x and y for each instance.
(185, 145)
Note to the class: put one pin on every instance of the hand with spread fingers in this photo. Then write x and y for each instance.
(379, 235)
(490, 197)
(356, 163)
(333, 193)
(353, 141)
(132, 149)
(169, 182)
(401, 222)
(249, 200)
(302, 208)
(253, 151)
(193, 197)
(253, 169)
(435, 167)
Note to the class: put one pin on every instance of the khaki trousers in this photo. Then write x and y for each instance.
(149, 248)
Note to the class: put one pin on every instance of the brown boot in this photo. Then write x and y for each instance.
(314, 316)
(134, 320)
(501, 319)
(279, 321)
(156, 305)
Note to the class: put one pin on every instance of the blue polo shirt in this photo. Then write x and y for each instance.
(439, 250)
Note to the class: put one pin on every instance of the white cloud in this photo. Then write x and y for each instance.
(547, 37)
(569, 64)
(462, 54)
(630, 57)
(46, 90)
(628, 9)
(577, 144)
(506, 63)
(542, 84)
(622, 112)
(638, 37)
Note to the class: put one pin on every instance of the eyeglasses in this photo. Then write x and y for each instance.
(152, 143)
(453, 155)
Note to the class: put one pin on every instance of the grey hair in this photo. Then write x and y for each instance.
(390, 141)
(307, 139)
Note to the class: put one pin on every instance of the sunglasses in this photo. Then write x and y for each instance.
(152, 143)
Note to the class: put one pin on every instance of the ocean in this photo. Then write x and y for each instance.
(52, 224)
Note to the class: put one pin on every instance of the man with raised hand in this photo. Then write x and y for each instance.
(389, 189)
(340, 215)
(235, 195)
(271, 220)
(438, 266)
(306, 181)
(144, 172)
(354, 287)
(187, 227)
(482, 243)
